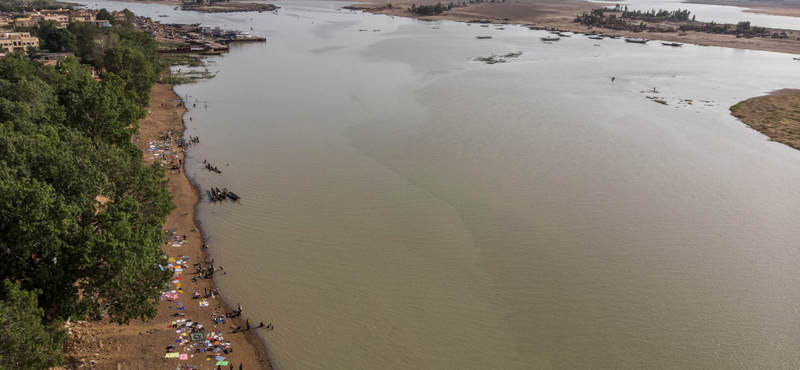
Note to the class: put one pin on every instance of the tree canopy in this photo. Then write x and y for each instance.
(26, 342)
(81, 215)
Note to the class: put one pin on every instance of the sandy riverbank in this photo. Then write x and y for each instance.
(547, 14)
(776, 115)
(142, 345)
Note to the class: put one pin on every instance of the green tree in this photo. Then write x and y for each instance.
(33, 53)
(60, 40)
(80, 215)
(103, 14)
(743, 26)
(101, 111)
(25, 343)
(134, 68)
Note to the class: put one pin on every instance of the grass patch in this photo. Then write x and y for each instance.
(494, 59)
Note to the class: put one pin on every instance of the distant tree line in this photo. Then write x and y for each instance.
(430, 9)
(15, 6)
(81, 215)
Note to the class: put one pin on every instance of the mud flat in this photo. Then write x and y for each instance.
(229, 7)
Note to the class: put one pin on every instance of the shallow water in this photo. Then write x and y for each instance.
(407, 207)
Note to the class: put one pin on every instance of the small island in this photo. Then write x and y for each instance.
(776, 115)
(227, 7)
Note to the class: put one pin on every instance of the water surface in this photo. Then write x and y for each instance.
(405, 207)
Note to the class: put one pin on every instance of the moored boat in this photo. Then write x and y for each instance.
(636, 40)
(549, 38)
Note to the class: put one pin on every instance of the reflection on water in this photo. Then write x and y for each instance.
(406, 207)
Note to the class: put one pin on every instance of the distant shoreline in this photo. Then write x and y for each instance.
(758, 7)
(547, 15)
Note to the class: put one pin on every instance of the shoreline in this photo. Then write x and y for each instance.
(252, 338)
(104, 345)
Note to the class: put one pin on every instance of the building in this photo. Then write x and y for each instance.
(100, 23)
(18, 41)
(82, 15)
(118, 16)
(62, 19)
(51, 59)
(24, 22)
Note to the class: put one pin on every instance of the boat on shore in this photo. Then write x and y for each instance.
(671, 44)
(636, 40)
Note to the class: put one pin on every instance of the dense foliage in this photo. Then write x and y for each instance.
(26, 342)
(123, 50)
(430, 9)
(80, 212)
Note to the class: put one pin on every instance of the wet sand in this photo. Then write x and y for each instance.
(142, 344)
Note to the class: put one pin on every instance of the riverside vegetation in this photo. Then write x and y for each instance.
(80, 212)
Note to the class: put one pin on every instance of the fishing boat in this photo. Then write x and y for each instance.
(637, 41)
(671, 44)
(596, 37)
(212, 168)
(549, 38)
(563, 34)
(231, 194)
(483, 37)
(220, 194)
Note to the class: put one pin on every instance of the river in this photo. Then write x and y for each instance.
(407, 207)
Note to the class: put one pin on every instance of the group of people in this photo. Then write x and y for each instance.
(205, 272)
(236, 329)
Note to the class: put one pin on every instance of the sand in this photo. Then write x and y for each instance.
(776, 115)
(141, 345)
